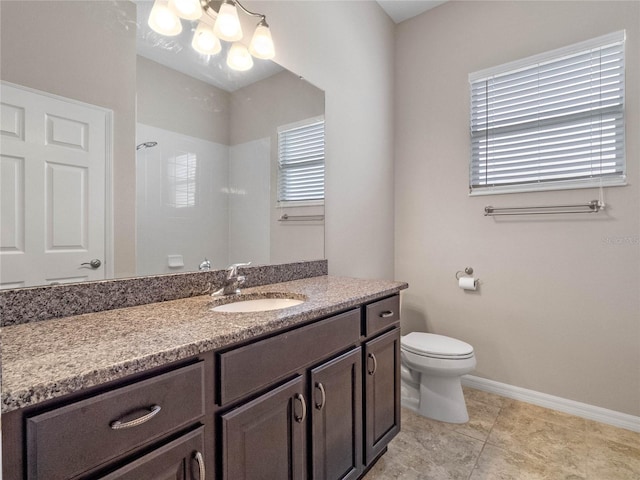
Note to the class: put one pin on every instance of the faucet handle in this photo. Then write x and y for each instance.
(205, 265)
(233, 269)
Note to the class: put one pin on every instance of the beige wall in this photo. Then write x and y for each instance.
(176, 102)
(84, 51)
(258, 109)
(558, 310)
(346, 49)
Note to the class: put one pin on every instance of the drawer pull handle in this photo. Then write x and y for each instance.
(387, 314)
(375, 364)
(119, 425)
(303, 406)
(200, 461)
(320, 387)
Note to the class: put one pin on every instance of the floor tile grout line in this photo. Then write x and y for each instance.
(475, 464)
(484, 443)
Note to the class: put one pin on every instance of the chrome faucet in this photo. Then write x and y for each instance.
(205, 266)
(232, 282)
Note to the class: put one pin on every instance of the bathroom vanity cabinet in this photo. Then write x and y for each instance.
(325, 417)
(318, 400)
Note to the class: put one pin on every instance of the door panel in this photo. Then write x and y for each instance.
(12, 204)
(336, 412)
(382, 387)
(263, 440)
(67, 202)
(54, 156)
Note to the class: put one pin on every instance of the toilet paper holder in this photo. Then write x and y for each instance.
(466, 280)
(467, 271)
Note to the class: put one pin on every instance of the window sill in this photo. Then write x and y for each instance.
(300, 203)
(612, 182)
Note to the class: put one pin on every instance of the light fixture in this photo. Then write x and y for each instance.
(163, 20)
(227, 26)
(214, 26)
(261, 45)
(204, 40)
(239, 57)
(187, 9)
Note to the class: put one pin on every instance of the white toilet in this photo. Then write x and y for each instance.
(432, 366)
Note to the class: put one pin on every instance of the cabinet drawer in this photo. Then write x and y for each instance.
(181, 459)
(69, 440)
(381, 314)
(253, 367)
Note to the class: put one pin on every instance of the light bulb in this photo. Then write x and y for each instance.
(239, 58)
(227, 26)
(204, 41)
(162, 20)
(261, 44)
(187, 9)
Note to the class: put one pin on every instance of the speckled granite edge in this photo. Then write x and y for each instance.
(42, 303)
(33, 380)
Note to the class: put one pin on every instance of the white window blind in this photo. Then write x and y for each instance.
(555, 120)
(181, 180)
(301, 162)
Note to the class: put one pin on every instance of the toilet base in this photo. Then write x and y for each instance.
(438, 398)
(441, 398)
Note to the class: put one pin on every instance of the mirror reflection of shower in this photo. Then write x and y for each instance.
(182, 213)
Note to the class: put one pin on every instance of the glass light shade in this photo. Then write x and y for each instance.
(162, 20)
(204, 41)
(261, 45)
(187, 9)
(227, 26)
(239, 58)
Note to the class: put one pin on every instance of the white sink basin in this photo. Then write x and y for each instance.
(258, 305)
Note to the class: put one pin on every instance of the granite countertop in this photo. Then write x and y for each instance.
(48, 359)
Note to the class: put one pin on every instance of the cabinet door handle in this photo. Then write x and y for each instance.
(303, 406)
(323, 396)
(200, 461)
(386, 314)
(375, 364)
(119, 425)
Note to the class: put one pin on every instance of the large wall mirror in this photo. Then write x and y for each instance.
(186, 150)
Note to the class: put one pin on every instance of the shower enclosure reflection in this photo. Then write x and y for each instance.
(198, 200)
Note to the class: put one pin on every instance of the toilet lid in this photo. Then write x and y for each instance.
(431, 344)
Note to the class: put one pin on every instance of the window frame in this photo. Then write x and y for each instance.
(619, 179)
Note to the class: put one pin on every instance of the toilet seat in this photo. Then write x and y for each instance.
(436, 346)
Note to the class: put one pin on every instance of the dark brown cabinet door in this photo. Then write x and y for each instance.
(382, 392)
(181, 459)
(336, 413)
(265, 439)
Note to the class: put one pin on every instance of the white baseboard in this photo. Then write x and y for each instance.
(590, 412)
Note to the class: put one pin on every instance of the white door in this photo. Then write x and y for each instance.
(53, 154)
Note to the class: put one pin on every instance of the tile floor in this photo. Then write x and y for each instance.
(509, 440)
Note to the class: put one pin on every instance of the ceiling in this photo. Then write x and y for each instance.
(401, 10)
